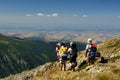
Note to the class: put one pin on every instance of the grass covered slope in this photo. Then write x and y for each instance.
(17, 55)
(97, 71)
(110, 46)
(107, 71)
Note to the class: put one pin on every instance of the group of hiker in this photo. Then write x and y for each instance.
(65, 53)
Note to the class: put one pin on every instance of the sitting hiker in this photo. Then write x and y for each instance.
(103, 60)
(90, 51)
(73, 55)
(63, 55)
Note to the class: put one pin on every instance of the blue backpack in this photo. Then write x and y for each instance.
(92, 54)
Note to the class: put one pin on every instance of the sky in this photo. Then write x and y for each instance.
(60, 13)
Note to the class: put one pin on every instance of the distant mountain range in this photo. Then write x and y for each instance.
(18, 54)
(63, 33)
(65, 36)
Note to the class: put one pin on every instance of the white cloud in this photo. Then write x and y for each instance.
(84, 16)
(29, 15)
(55, 14)
(48, 15)
(118, 16)
(40, 14)
(75, 15)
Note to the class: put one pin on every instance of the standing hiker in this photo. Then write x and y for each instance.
(90, 51)
(58, 45)
(73, 55)
(63, 55)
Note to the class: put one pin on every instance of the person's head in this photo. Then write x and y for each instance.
(89, 41)
(58, 44)
(63, 44)
(71, 43)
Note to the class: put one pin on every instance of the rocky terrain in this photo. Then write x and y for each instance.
(110, 49)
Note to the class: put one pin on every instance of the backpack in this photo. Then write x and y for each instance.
(97, 54)
(63, 50)
(92, 48)
(57, 48)
(92, 55)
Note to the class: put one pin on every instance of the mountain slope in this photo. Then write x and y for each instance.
(110, 46)
(97, 71)
(18, 55)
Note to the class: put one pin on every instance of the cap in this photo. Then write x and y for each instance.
(89, 40)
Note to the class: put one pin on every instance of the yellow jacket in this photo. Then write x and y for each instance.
(63, 50)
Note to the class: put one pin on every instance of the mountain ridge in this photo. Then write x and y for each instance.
(97, 71)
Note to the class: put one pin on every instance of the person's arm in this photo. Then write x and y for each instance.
(57, 49)
(86, 53)
(69, 49)
(87, 46)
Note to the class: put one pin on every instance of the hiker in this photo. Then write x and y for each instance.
(90, 51)
(58, 45)
(73, 55)
(63, 55)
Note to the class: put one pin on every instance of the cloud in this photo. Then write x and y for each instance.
(48, 15)
(55, 14)
(40, 14)
(118, 16)
(75, 15)
(29, 15)
(84, 16)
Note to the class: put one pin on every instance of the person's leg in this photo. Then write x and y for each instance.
(74, 64)
(64, 65)
(61, 66)
(88, 60)
(70, 63)
(73, 69)
(92, 60)
(61, 63)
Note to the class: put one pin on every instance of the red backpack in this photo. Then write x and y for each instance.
(92, 47)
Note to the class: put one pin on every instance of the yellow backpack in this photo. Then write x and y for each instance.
(63, 50)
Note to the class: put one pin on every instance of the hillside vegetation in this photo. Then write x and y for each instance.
(17, 55)
(110, 49)
(110, 46)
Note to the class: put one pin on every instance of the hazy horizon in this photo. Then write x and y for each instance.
(64, 15)
(61, 28)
